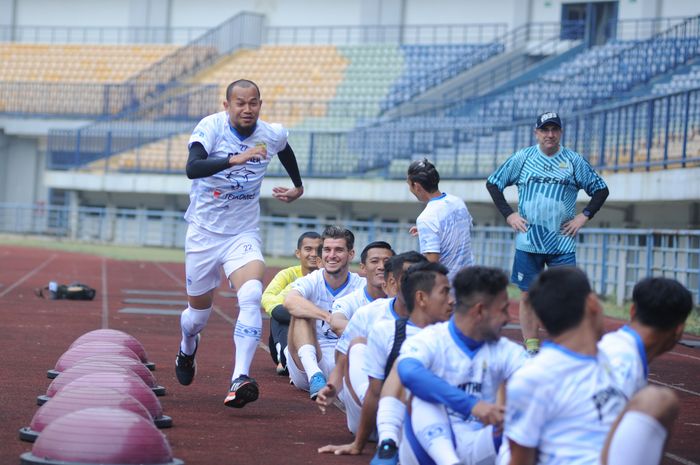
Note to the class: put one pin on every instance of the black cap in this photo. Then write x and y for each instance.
(549, 117)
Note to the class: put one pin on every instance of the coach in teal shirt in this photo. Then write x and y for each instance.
(548, 177)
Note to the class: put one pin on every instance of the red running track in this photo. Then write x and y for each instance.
(283, 426)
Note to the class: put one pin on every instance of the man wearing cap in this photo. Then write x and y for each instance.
(548, 177)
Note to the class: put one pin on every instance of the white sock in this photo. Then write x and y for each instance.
(307, 355)
(278, 349)
(248, 329)
(391, 414)
(637, 428)
(433, 431)
(358, 377)
(192, 322)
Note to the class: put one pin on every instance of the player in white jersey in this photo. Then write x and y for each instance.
(311, 343)
(565, 405)
(444, 226)
(454, 370)
(348, 380)
(372, 260)
(229, 154)
(658, 312)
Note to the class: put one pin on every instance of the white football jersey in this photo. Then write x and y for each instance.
(628, 358)
(228, 202)
(379, 344)
(363, 319)
(349, 304)
(313, 287)
(563, 404)
(444, 227)
(441, 349)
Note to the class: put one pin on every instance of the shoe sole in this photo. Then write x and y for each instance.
(245, 394)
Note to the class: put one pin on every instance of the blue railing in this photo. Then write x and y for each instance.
(647, 133)
(660, 132)
(615, 259)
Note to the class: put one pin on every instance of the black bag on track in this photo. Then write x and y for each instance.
(73, 291)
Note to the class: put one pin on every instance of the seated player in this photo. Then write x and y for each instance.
(372, 260)
(453, 371)
(658, 312)
(359, 392)
(307, 252)
(311, 343)
(565, 405)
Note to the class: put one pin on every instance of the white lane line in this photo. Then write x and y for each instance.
(675, 387)
(105, 304)
(683, 355)
(679, 459)
(215, 308)
(28, 275)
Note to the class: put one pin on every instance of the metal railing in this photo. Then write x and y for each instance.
(99, 35)
(385, 34)
(614, 259)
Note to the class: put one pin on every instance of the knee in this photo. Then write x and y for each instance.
(281, 315)
(658, 402)
(250, 293)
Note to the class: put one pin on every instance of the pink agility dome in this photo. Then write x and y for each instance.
(126, 382)
(86, 367)
(133, 365)
(103, 435)
(71, 400)
(117, 337)
(77, 353)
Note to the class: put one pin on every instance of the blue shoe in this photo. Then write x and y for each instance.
(387, 453)
(316, 383)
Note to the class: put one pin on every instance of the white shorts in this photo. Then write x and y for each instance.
(207, 252)
(298, 375)
(473, 447)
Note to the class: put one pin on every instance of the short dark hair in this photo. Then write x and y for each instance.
(424, 173)
(307, 235)
(661, 303)
(558, 296)
(419, 277)
(394, 265)
(375, 245)
(473, 281)
(339, 232)
(245, 83)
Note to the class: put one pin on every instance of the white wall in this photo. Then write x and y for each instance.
(73, 13)
(209, 13)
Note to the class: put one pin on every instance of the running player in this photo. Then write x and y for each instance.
(454, 370)
(372, 260)
(444, 226)
(311, 341)
(307, 251)
(229, 154)
(548, 177)
(565, 406)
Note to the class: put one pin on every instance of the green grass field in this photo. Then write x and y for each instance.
(160, 254)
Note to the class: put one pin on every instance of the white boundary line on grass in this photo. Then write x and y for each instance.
(28, 275)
